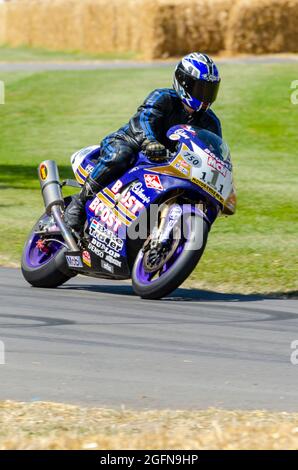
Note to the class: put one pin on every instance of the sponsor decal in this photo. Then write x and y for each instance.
(89, 168)
(113, 212)
(210, 78)
(111, 218)
(43, 172)
(117, 186)
(189, 129)
(74, 261)
(105, 236)
(105, 253)
(107, 266)
(105, 249)
(217, 165)
(114, 261)
(175, 213)
(174, 137)
(178, 134)
(191, 158)
(98, 252)
(153, 181)
(138, 189)
(131, 204)
(208, 189)
(172, 170)
(118, 209)
(181, 165)
(86, 258)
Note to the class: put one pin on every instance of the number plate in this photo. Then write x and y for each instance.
(209, 172)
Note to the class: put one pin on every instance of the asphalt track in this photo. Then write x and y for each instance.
(93, 342)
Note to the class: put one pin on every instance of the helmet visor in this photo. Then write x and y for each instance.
(203, 90)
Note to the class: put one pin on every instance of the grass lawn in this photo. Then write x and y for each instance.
(33, 54)
(49, 115)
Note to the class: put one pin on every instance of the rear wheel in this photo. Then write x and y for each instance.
(43, 260)
(173, 267)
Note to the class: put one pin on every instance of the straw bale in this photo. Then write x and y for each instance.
(263, 26)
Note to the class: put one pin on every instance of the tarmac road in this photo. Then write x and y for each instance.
(45, 66)
(93, 342)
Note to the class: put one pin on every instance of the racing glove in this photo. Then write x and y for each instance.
(154, 150)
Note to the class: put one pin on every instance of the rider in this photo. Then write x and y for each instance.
(195, 88)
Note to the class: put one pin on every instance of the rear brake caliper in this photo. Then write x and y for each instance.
(42, 246)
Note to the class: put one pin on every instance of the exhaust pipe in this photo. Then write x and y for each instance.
(50, 185)
(53, 200)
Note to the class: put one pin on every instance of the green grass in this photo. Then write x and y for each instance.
(33, 54)
(49, 115)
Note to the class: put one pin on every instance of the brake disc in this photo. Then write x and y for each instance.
(155, 257)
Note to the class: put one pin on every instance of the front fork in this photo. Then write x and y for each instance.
(169, 214)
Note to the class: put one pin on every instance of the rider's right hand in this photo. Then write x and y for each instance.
(155, 151)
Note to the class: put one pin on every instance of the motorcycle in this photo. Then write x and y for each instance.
(151, 225)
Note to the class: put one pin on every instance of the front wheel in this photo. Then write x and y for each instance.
(185, 255)
(45, 266)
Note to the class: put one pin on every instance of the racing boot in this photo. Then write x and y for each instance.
(75, 214)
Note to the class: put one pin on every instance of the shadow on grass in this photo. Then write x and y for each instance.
(25, 176)
(181, 294)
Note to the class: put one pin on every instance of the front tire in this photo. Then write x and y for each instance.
(178, 272)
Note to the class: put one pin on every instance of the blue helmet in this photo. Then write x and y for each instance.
(196, 81)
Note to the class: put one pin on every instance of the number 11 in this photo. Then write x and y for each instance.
(214, 178)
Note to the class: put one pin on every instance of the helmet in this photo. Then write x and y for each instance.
(196, 81)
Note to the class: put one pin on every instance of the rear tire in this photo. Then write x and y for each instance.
(51, 273)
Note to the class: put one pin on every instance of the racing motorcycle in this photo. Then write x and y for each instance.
(151, 225)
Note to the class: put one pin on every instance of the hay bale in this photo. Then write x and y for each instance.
(86, 25)
(111, 25)
(176, 27)
(154, 28)
(263, 26)
(2, 23)
(50, 24)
